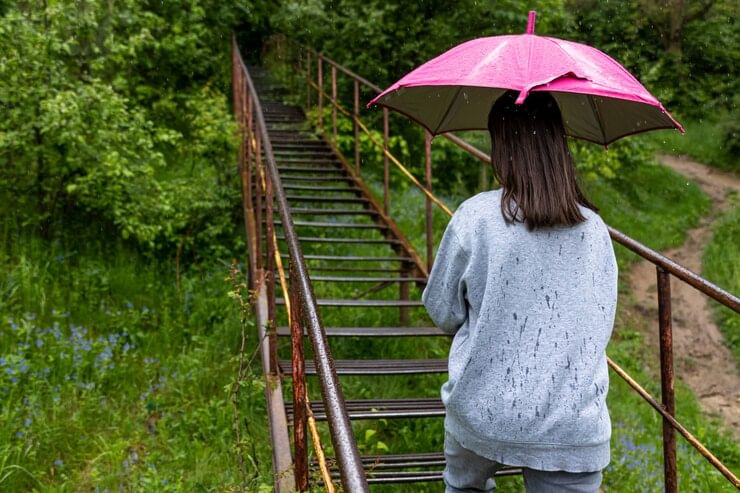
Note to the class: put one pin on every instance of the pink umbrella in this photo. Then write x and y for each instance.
(599, 99)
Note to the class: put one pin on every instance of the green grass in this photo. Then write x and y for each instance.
(112, 379)
(651, 203)
(705, 141)
(721, 265)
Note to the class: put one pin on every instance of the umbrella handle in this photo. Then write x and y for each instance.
(530, 21)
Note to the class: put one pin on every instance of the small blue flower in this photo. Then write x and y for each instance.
(59, 463)
(19, 434)
(39, 343)
(27, 422)
(628, 444)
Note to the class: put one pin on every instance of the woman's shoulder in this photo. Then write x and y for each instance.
(479, 212)
(481, 200)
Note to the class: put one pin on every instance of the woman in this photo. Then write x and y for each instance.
(526, 279)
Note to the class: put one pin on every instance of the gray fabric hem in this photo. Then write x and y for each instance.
(543, 457)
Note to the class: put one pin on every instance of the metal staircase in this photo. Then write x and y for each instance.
(347, 260)
(322, 188)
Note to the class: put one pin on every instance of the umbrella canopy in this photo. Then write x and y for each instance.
(599, 100)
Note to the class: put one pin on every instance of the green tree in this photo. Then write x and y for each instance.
(118, 110)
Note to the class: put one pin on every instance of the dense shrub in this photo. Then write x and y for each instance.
(119, 111)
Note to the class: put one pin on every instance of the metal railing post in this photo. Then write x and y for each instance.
(270, 277)
(245, 173)
(300, 441)
(428, 205)
(334, 103)
(404, 288)
(357, 126)
(259, 174)
(248, 184)
(386, 166)
(666, 378)
(320, 83)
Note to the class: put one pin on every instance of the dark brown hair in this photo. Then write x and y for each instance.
(532, 161)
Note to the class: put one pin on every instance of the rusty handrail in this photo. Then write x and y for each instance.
(665, 267)
(304, 308)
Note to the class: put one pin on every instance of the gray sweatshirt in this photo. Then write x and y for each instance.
(532, 313)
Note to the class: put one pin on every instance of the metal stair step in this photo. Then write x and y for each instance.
(361, 302)
(363, 279)
(332, 212)
(283, 118)
(308, 160)
(299, 144)
(318, 239)
(374, 331)
(309, 169)
(289, 186)
(352, 269)
(387, 468)
(326, 211)
(380, 408)
(288, 178)
(352, 258)
(315, 224)
(385, 476)
(317, 198)
(298, 151)
(375, 366)
(296, 136)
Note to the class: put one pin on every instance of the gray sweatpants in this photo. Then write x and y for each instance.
(467, 472)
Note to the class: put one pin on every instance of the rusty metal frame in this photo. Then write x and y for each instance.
(305, 312)
(665, 268)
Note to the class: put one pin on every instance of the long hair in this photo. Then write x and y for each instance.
(532, 161)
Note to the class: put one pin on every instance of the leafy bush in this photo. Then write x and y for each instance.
(119, 112)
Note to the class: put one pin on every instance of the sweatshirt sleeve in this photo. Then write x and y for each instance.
(444, 295)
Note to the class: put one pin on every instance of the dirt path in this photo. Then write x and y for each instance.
(702, 360)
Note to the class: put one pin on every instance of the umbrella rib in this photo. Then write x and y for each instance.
(598, 117)
(449, 108)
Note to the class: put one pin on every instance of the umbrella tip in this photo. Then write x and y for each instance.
(530, 21)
